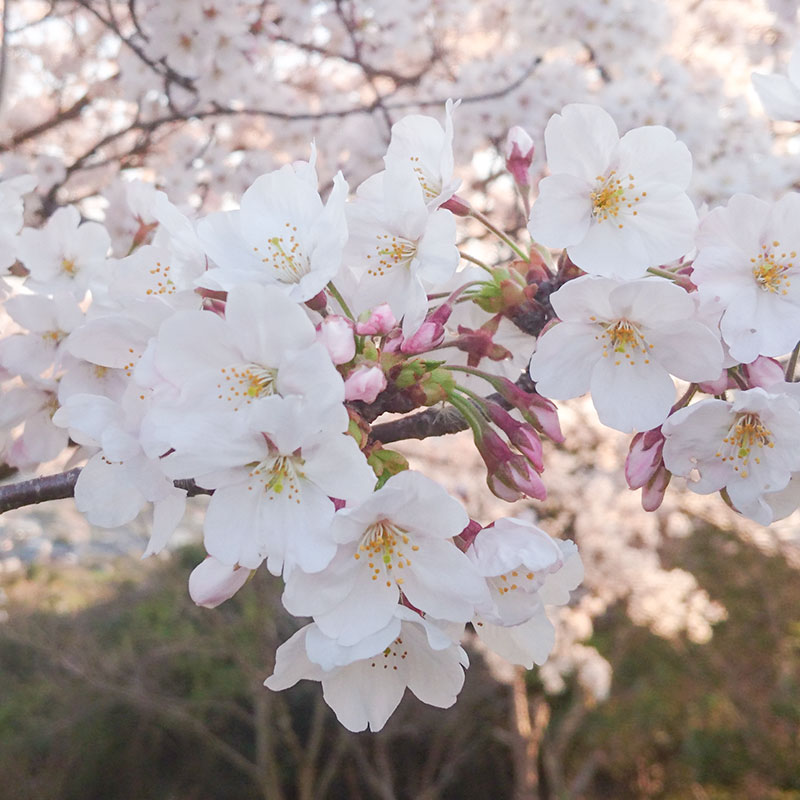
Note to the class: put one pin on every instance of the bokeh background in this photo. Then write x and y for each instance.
(676, 672)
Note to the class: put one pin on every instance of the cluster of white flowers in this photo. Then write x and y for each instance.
(171, 80)
(717, 320)
(247, 354)
(241, 355)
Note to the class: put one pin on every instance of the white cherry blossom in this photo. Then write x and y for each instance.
(282, 234)
(64, 255)
(398, 250)
(622, 341)
(398, 541)
(420, 142)
(749, 260)
(274, 473)
(364, 683)
(750, 447)
(617, 205)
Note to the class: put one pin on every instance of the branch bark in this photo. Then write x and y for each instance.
(60, 486)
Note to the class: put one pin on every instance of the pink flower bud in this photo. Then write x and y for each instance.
(537, 410)
(213, 582)
(644, 458)
(509, 475)
(764, 372)
(526, 479)
(393, 342)
(499, 489)
(336, 333)
(653, 493)
(520, 434)
(364, 383)
(457, 205)
(379, 322)
(519, 154)
(719, 385)
(428, 335)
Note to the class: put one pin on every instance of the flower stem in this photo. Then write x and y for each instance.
(340, 300)
(687, 396)
(467, 410)
(473, 260)
(662, 273)
(487, 223)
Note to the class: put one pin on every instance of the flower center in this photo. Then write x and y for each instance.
(614, 195)
(278, 475)
(163, 284)
(430, 188)
(746, 437)
(513, 581)
(245, 383)
(68, 266)
(771, 270)
(382, 545)
(391, 251)
(624, 339)
(390, 655)
(286, 257)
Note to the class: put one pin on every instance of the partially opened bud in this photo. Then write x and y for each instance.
(519, 154)
(378, 321)
(644, 458)
(718, 385)
(520, 434)
(213, 582)
(653, 493)
(336, 333)
(364, 383)
(428, 335)
(764, 372)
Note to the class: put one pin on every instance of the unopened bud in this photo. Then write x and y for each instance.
(378, 322)
(718, 385)
(457, 205)
(763, 372)
(336, 333)
(428, 336)
(519, 154)
(644, 458)
(364, 383)
(213, 582)
(653, 493)
(520, 434)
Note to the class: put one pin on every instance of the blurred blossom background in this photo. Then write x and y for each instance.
(676, 671)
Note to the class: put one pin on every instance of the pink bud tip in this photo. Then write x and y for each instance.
(213, 582)
(364, 383)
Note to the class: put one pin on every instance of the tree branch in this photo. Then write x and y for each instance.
(60, 486)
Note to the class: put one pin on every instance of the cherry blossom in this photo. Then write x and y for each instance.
(622, 341)
(282, 234)
(64, 255)
(619, 206)
(748, 259)
(749, 447)
(364, 683)
(397, 542)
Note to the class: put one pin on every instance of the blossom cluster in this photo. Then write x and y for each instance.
(248, 353)
(244, 355)
(84, 84)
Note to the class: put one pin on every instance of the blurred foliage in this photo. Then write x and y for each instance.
(116, 686)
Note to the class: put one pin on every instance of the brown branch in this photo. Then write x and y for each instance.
(60, 486)
(57, 119)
